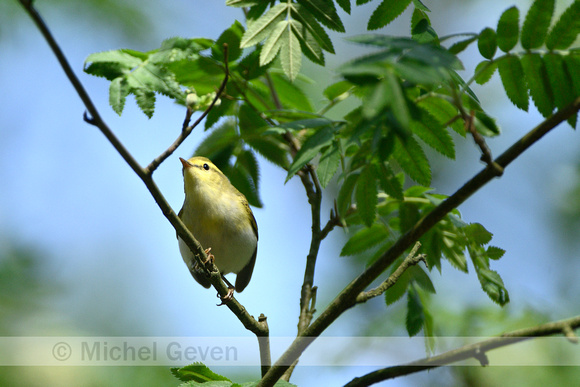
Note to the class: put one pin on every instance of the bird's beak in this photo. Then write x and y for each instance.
(186, 164)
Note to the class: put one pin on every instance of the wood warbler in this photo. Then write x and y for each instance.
(219, 217)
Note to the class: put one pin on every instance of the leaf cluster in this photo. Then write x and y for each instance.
(535, 60)
(198, 374)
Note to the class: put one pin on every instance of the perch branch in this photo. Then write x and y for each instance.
(259, 328)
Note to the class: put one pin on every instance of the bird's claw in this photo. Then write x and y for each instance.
(227, 298)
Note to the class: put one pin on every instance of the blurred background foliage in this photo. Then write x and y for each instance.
(39, 295)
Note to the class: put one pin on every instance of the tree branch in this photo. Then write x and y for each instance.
(347, 297)
(411, 260)
(476, 351)
(259, 328)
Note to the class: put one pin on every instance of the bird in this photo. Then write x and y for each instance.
(220, 218)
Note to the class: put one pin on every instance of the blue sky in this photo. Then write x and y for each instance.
(65, 190)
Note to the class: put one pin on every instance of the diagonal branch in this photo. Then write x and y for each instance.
(346, 299)
(476, 351)
(259, 328)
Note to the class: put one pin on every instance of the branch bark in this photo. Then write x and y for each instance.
(476, 351)
(258, 327)
(347, 298)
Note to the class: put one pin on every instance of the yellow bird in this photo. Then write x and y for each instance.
(219, 217)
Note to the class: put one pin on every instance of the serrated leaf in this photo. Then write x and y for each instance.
(538, 83)
(415, 316)
(345, 5)
(573, 67)
(271, 149)
(389, 182)
(508, 29)
(408, 216)
(344, 198)
(487, 43)
(412, 159)
(453, 251)
(290, 94)
(536, 24)
(309, 45)
(145, 101)
(460, 46)
(197, 372)
(486, 125)
(274, 42)
(290, 54)
(232, 37)
(250, 121)
(316, 31)
(566, 29)
(421, 30)
(118, 92)
(220, 140)
(241, 3)
(494, 252)
(493, 285)
(386, 12)
(484, 71)
(364, 239)
(248, 161)
(560, 82)
(434, 134)
(513, 80)
(444, 112)
(321, 138)
(366, 195)
(261, 28)
(325, 12)
(328, 165)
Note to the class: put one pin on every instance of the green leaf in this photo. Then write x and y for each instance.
(484, 71)
(434, 134)
(338, 90)
(321, 138)
(219, 142)
(536, 24)
(494, 253)
(328, 164)
(560, 82)
(145, 101)
(460, 46)
(386, 12)
(389, 182)
(422, 279)
(512, 76)
(538, 83)
(248, 161)
(309, 45)
(261, 28)
(476, 233)
(487, 43)
(366, 195)
(486, 125)
(364, 239)
(118, 92)
(412, 159)
(566, 29)
(325, 12)
(344, 198)
(232, 37)
(444, 112)
(290, 54)
(291, 96)
(197, 372)
(493, 285)
(241, 3)
(241, 178)
(421, 30)
(453, 251)
(275, 151)
(274, 42)
(508, 29)
(313, 27)
(572, 63)
(415, 316)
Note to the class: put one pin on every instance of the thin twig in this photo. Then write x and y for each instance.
(93, 117)
(476, 351)
(347, 297)
(412, 259)
(187, 129)
(486, 156)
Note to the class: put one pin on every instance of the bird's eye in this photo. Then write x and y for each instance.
(206, 167)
